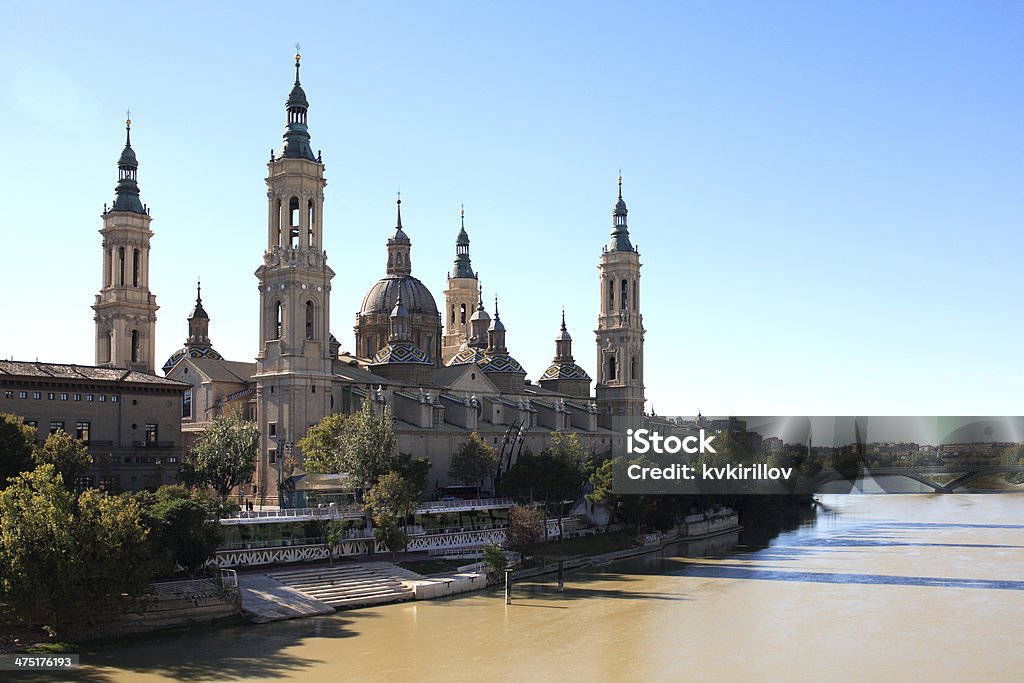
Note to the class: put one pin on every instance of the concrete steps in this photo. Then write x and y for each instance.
(348, 586)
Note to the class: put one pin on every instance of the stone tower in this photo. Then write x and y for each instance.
(294, 363)
(620, 330)
(461, 297)
(125, 308)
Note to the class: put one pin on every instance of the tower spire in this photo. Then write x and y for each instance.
(126, 192)
(620, 231)
(399, 247)
(296, 131)
(463, 266)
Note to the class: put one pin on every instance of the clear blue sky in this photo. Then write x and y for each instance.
(827, 198)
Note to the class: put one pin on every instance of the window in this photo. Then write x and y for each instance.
(22, 394)
(89, 398)
(625, 296)
(309, 225)
(293, 210)
(82, 431)
(451, 320)
(63, 397)
(151, 434)
(50, 396)
(462, 313)
(632, 368)
(310, 311)
(186, 403)
(611, 368)
(8, 394)
(271, 429)
(108, 483)
(135, 268)
(115, 399)
(172, 458)
(120, 262)
(56, 426)
(78, 397)
(36, 395)
(103, 398)
(611, 294)
(278, 327)
(135, 346)
(272, 455)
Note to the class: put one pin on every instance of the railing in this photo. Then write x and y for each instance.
(444, 505)
(326, 512)
(188, 588)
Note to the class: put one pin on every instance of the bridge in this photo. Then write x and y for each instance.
(962, 474)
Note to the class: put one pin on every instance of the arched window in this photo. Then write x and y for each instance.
(611, 294)
(632, 368)
(398, 259)
(135, 268)
(451, 320)
(310, 312)
(611, 368)
(636, 286)
(624, 299)
(293, 210)
(120, 265)
(135, 346)
(311, 222)
(280, 224)
(462, 313)
(278, 323)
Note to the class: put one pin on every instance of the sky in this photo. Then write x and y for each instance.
(827, 198)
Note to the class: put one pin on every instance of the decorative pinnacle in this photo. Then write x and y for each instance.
(298, 58)
(128, 127)
(620, 183)
(496, 316)
(199, 291)
(399, 208)
(462, 214)
(563, 318)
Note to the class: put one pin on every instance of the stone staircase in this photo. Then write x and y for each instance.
(351, 585)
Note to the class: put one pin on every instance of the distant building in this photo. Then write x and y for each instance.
(130, 420)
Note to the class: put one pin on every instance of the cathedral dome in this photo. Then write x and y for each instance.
(383, 296)
(191, 352)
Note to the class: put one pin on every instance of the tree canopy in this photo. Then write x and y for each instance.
(183, 528)
(390, 501)
(64, 559)
(224, 456)
(362, 446)
(475, 461)
(69, 456)
(17, 441)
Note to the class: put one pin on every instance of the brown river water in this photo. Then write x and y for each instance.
(878, 588)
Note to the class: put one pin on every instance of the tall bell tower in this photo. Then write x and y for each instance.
(620, 330)
(461, 297)
(125, 308)
(294, 364)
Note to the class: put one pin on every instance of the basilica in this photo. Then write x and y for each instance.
(444, 371)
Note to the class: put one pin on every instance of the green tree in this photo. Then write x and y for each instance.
(361, 446)
(390, 501)
(494, 560)
(183, 528)
(569, 448)
(224, 456)
(17, 441)
(324, 445)
(475, 461)
(69, 456)
(64, 560)
(602, 493)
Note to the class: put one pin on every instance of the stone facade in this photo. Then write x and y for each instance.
(131, 421)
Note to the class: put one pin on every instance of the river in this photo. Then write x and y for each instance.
(878, 588)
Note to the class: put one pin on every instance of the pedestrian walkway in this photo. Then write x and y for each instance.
(265, 599)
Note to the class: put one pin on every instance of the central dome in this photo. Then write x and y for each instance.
(384, 294)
